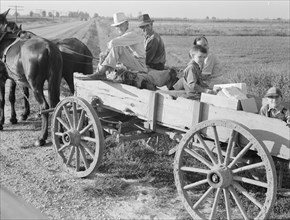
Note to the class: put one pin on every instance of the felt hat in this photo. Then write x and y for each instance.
(144, 20)
(119, 18)
(273, 91)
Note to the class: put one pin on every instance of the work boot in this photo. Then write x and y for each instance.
(173, 79)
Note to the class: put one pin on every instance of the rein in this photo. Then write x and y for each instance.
(83, 55)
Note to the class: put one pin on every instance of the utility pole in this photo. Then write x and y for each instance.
(16, 8)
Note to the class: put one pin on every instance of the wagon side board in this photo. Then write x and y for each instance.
(272, 132)
(182, 114)
(179, 114)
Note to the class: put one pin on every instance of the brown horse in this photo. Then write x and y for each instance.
(32, 62)
(76, 58)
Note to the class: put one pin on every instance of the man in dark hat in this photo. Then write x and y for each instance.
(154, 46)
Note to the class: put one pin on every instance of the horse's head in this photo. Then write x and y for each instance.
(3, 19)
(11, 26)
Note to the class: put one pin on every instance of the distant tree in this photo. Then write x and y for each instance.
(31, 13)
(213, 18)
(50, 14)
(207, 18)
(43, 13)
(57, 14)
(16, 14)
(96, 15)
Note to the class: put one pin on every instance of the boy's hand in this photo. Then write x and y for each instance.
(217, 89)
(209, 91)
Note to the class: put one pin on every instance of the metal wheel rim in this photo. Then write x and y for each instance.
(224, 190)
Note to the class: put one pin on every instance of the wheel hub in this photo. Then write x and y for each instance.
(71, 138)
(220, 177)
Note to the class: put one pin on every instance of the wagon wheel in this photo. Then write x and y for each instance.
(216, 183)
(77, 136)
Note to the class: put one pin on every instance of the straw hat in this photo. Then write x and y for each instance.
(144, 19)
(119, 18)
(273, 91)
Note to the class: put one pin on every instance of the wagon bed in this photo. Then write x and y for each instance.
(228, 154)
(182, 114)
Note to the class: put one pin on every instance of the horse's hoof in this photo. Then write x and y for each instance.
(39, 143)
(13, 121)
(24, 117)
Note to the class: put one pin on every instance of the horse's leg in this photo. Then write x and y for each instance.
(39, 96)
(26, 112)
(2, 104)
(12, 90)
(68, 77)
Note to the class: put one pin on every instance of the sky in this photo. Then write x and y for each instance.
(233, 9)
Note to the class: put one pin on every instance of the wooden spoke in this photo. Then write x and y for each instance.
(86, 128)
(215, 204)
(204, 196)
(240, 155)
(75, 115)
(238, 202)
(85, 146)
(248, 167)
(83, 155)
(195, 170)
(85, 138)
(251, 181)
(63, 147)
(217, 144)
(227, 202)
(77, 158)
(68, 117)
(63, 123)
(192, 185)
(209, 153)
(81, 120)
(71, 153)
(229, 147)
(245, 193)
(198, 157)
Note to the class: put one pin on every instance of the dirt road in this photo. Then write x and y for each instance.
(33, 173)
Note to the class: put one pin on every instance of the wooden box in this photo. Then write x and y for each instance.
(248, 105)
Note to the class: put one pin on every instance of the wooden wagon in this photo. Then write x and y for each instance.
(228, 154)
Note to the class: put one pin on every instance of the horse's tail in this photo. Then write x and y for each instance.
(88, 61)
(55, 72)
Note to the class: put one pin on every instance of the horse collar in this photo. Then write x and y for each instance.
(7, 49)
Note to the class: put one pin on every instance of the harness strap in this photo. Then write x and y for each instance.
(2, 36)
(66, 50)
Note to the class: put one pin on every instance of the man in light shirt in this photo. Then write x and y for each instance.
(127, 49)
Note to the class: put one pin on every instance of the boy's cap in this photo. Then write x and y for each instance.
(273, 91)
